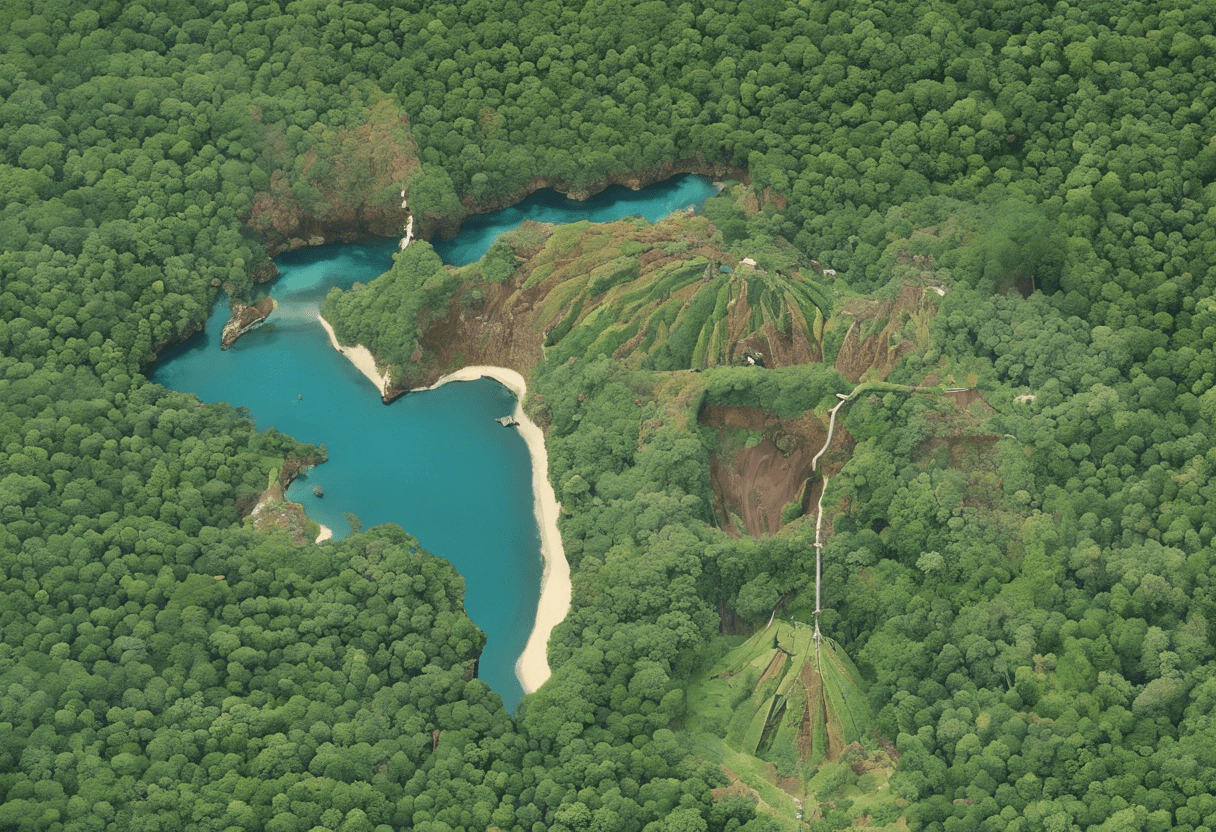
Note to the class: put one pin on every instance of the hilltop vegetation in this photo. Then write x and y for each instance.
(1023, 577)
(788, 699)
(663, 297)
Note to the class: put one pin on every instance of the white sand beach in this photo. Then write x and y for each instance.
(532, 668)
(358, 355)
(325, 534)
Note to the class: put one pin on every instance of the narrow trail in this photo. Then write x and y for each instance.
(844, 399)
(819, 523)
(819, 508)
(831, 427)
(819, 560)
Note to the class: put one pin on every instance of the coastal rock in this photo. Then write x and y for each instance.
(273, 511)
(245, 318)
(316, 240)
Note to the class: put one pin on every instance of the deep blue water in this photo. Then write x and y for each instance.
(436, 463)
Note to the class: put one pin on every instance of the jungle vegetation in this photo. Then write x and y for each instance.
(1025, 584)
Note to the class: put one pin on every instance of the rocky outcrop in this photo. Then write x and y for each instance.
(265, 272)
(342, 188)
(245, 318)
(316, 233)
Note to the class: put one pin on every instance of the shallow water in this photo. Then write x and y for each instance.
(436, 463)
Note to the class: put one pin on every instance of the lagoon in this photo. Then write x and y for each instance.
(435, 463)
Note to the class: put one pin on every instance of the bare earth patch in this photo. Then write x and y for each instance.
(754, 482)
(883, 331)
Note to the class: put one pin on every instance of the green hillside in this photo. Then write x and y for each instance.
(1022, 570)
(787, 718)
(661, 297)
(795, 702)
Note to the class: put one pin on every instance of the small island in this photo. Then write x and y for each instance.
(246, 318)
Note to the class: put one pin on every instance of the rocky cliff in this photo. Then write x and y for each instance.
(244, 318)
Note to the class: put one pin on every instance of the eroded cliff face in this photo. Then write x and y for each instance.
(679, 301)
(179, 337)
(763, 462)
(346, 187)
(244, 318)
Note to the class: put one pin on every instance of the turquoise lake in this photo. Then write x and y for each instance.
(435, 463)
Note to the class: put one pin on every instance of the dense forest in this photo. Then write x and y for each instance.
(1024, 577)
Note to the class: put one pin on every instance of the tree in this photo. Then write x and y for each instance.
(757, 597)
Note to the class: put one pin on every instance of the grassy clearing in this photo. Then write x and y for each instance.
(866, 797)
(789, 720)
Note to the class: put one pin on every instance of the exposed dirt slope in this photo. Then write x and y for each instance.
(661, 296)
(881, 332)
(763, 463)
(346, 186)
(792, 694)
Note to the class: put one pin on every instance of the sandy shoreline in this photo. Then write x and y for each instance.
(358, 355)
(532, 668)
(326, 533)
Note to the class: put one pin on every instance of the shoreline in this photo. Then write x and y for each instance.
(326, 533)
(532, 667)
(358, 355)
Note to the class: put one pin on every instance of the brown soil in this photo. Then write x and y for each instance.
(736, 788)
(278, 513)
(245, 318)
(777, 348)
(774, 667)
(965, 398)
(818, 708)
(292, 468)
(810, 495)
(892, 328)
(507, 324)
(499, 332)
(775, 198)
(814, 710)
(792, 786)
(363, 160)
(861, 761)
(754, 483)
(835, 736)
